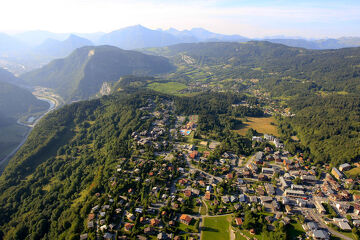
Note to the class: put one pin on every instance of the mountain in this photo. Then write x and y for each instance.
(204, 35)
(81, 75)
(56, 49)
(10, 46)
(318, 44)
(35, 38)
(138, 37)
(16, 101)
(93, 37)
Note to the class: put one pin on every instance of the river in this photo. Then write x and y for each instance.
(53, 103)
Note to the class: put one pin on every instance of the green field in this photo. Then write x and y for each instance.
(169, 87)
(261, 125)
(216, 228)
(353, 173)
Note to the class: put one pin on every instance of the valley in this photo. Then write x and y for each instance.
(214, 140)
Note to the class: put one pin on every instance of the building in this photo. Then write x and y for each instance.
(267, 170)
(185, 219)
(294, 193)
(320, 234)
(344, 167)
(308, 178)
(336, 173)
(319, 207)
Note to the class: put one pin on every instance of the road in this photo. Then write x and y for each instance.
(53, 104)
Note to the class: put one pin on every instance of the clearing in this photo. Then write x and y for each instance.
(169, 87)
(353, 173)
(261, 125)
(216, 228)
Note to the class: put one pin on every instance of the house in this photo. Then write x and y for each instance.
(344, 167)
(128, 226)
(336, 173)
(90, 225)
(154, 222)
(342, 207)
(238, 221)
(185, 219)
(193, 154)
(262, 177)
(225, 199)
(242, 198)
(83, 236)
(162, 236)
(148, 230)
(187, 193)
(208, 196)
(312, 225)
(357, 209)
(269, 189)
(320, 234)
(356, 223)
(108, 236)
(344, 226)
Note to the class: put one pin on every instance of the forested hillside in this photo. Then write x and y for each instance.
(328, 126)
(82, 74)
(48, 188)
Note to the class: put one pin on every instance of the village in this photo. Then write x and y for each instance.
(175, 189)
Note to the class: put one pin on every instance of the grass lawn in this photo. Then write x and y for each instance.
(216, 228)
(353, 173)
(169, 87)
(261, 125)
(191, 228)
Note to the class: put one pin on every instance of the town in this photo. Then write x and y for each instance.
(177, 189)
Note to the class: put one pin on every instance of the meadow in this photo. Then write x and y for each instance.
(261, 125)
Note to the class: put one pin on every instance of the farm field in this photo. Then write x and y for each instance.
(216, 228)
(169, 87)
(261, 125)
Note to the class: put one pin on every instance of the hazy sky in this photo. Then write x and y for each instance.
(251, 18)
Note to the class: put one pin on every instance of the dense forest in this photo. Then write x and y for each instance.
(327, 125)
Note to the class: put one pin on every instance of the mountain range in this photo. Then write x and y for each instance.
(29, 50)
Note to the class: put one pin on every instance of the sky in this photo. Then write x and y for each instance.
(250, 18)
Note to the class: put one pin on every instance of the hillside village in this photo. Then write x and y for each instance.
(181, 185)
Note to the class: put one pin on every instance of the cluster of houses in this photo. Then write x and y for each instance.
(179, 182)
(269, 138)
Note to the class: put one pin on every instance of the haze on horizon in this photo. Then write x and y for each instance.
(249, 18)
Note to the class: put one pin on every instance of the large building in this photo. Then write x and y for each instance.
(336, 173)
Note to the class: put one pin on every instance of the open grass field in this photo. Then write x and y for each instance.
(353, 173)
(169, 87)
(216, 228)
(261, 125)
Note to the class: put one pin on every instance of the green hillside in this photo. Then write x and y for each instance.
(82, 74)
(277, 68)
